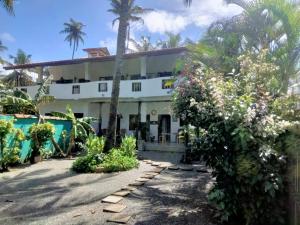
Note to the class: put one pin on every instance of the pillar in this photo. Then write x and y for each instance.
(143, 66)
(86, 71)
(40, 74)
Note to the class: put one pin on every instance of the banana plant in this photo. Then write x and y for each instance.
(80, 127)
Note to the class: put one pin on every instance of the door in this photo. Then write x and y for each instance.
(164, 128)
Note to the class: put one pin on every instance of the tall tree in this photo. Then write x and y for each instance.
(126, 12)
(264, 24)
(8, 5)
(143, 45)
(19, 77)
(173, 41)
(2, 49)
(74, 33)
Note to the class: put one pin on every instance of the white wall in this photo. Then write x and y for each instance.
(60, 106)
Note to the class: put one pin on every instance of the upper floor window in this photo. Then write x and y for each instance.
(102, 87)
(167, 84)
(76, 89)
(136, 86)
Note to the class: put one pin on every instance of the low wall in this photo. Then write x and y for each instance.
(25, 122)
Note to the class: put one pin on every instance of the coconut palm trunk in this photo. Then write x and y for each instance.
(118, 70)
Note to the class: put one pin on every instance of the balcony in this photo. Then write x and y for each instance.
(154, 87)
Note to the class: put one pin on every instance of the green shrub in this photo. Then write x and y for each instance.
(87, 164)
(40, 134)
(128, 146)
(9, 154)
(94, 156)
(116, 160)
(94, 144)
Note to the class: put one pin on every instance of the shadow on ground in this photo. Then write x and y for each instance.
(174, 198)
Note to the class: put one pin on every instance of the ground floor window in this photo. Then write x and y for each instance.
(133, 122)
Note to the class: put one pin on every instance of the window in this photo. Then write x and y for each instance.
(133, 122)
(24, 90)
(136, 86)
(76, 89)
(167, 84)
(102, 87)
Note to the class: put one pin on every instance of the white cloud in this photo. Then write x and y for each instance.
(7, 37)
(110, 43)
(201, 13)
(162, 21)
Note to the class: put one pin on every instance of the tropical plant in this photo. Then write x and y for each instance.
(143, 45)
(264, 24)
(2, 47)
(73, 30)
(173, 41)
(94, 157)
(17, 101)
(8, 5)
(19, 77)
(9, 154)
(241, 137)
(39, 135)
(81, 128)
(126, 12)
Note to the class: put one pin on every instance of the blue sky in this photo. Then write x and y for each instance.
(36, 24)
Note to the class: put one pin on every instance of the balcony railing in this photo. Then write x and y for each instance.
(102, 89)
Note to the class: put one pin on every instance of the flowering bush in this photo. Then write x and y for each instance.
(40, 134)
(241, 137)
(9, 154)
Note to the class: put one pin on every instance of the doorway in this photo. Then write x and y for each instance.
(164, 128)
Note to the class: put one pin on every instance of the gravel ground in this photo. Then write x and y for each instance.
(49, 193)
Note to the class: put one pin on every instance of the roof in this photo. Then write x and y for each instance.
(98, 59)
(104, 51)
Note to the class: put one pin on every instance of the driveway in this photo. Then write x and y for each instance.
(49, 193)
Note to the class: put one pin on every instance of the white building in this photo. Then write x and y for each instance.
(145, 90)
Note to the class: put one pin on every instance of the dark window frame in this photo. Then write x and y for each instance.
(102, 90)
(136, 87)
(76, 89)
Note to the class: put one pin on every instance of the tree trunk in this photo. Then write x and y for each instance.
(118, 70)
(73, 50)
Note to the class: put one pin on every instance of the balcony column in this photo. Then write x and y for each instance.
(86, 71)
(40, 74)
(143, 61)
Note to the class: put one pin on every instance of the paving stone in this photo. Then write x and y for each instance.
(162, 166)
(121, 193)
(202, 170)
(157, 170)
(149, 176)
(142, 179)
(173, 168)
(136, 184)
(112, 199)
(128, 188)
(123, 219)
(155, 164)
(187, 168)
(149, 162)
(152, 173)
(114, 208)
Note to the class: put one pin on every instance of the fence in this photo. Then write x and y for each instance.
(25, 122)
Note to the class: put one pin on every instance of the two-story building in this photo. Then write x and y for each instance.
(145, 90)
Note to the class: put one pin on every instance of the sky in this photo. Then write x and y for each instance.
(36, 25)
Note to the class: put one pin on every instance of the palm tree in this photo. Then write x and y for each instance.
(2, 49)
(126, 12)
(8, 5)
(80, 127)
(74, 32)
(143, 45)
(19, 77)
(173, 41)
